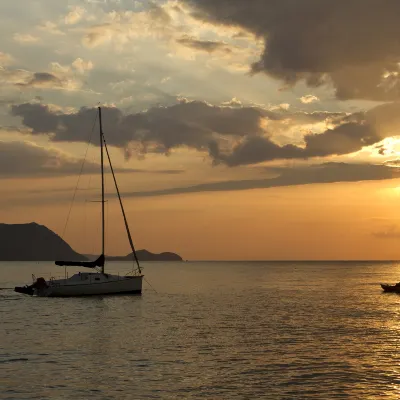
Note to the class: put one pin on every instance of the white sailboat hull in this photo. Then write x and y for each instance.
(91, 284)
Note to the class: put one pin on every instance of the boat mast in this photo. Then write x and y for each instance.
(122, 209)
(102, 188)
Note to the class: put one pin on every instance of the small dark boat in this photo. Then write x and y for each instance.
(391, 288)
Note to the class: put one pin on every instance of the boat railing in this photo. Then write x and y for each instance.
(52, 279)
(133, 273)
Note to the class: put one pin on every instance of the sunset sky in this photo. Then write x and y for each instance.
(240, 130)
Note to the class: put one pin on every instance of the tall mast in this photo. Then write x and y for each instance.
(102, 189)
(122, 208)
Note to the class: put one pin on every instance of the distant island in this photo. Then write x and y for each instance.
(34, 242)
(144, 255)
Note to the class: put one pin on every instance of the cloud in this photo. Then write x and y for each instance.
(21, 159)
(82, 66)
(393, 163)
(159, 129)
(5, 59)
(25, 38)
(308, 99)
(59, 78)
(208, 46)
(43, 80)
(13, 77)
(79, 66)
(343, 139)
(391, 232)
(349, 135)
(46, 80)
(234, 102)
(282, 106)
(314, 174)
(231, 135)
(74, 16)
(26, 159)
(253, 150)
(120, 27)
(352, 45)
(51, 28)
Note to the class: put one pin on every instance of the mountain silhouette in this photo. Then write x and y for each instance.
(144, 255)
(34, 242)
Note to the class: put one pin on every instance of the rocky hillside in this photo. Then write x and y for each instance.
(33, 242)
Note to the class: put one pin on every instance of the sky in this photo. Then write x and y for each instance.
(239, 130)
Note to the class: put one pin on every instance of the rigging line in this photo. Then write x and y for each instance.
(107, 230)
(91, 175)
(79, 177)
(122, 207)
(150, 284)
(90, 213)
(84, 221)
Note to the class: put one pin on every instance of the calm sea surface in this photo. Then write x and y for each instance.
(211, 331)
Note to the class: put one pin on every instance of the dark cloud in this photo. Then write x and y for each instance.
(393, 163)
(344, 139)
(157, 13)
(232, 135)
(351, 44)
(350, 135)
(253, 150)
(314, 174)
(191, 124)
(40, 80)
(24, 159)
(44, 80)
(203, 45)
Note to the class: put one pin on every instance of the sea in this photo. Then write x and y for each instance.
(207, 330)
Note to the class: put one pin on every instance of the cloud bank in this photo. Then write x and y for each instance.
(315, 174)
(231, 135)
(352, 45)
(26, 159)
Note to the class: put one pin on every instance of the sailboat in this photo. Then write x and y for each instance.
(92, 283)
